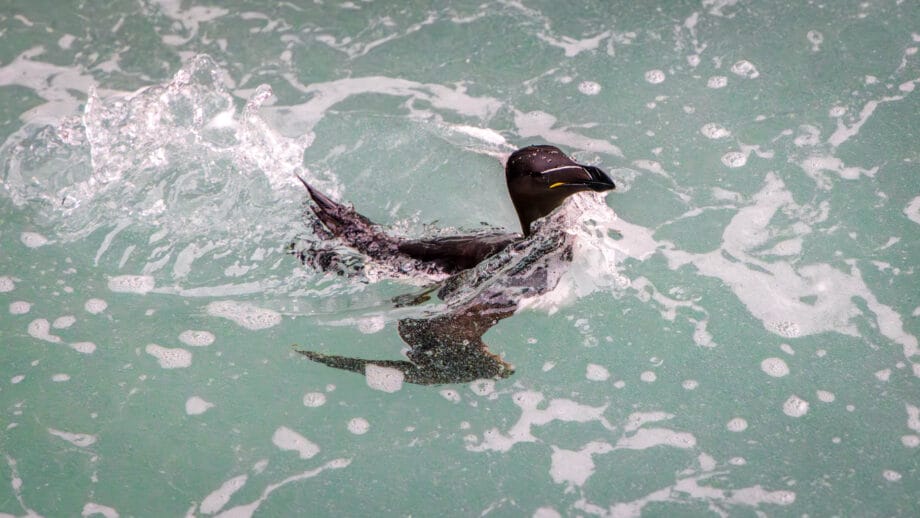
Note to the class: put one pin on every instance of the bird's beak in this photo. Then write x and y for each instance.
(580, 177)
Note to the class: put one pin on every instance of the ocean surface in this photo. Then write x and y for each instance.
(735, 336)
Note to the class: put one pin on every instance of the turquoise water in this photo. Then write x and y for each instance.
(738, 335)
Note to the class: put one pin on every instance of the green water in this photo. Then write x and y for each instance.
(743, 339)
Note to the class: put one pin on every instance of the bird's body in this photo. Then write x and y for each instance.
(448, 347)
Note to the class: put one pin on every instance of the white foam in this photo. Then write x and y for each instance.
(910, 441)
(891, 475)
(6, 284)
(795, 406)
(196, 338)
(589, 88)
(451, 395)
(714, 131)
(575, 467)
(384, 379)
(92, 509)
(825, 396)
(484, 387)
(690, 384)
(61, 377)
(912, 211)
(716, 82)
(737, 424)
(197, 406)
(139, 284)
(83, 347)
(358, 426)
(40, 328)
(288, 439)
(558, 409)
(596, 372)
(216, 500)
(169, 358)
(20, 307)
(33, 240)
(81, 440)
(244, 314)
(883, 374)
(815, 38)
(371, 325)
(15, 380)
(648, 376)
(64, 322)
(573, 46)
(486, 135)
(775, 367)
(746, 69)
(95, 306)
(735, 159)
(654, 76)
(314, 399)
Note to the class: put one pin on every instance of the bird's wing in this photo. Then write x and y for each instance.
(455, 253)
(450, 254)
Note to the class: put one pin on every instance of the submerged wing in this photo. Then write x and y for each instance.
(455, 253)
(443, 349)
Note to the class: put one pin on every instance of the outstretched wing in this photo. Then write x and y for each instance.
(448, 254)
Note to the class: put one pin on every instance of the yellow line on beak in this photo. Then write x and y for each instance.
(557, 184)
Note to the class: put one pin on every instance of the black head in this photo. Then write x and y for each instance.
(540, 178)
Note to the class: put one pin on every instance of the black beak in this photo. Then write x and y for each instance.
(600, 182)
(574, 176)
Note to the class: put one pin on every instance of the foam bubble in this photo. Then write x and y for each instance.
(911, 441)
(196, 338)
(384, 379)
(714, 131)
(244, 314)
(891, 475)
(451, 395)
(372, 324)
(6, 284)
(716, 82)
(912, 211)
(358, 426)
(795, 406)
(287, 439)
(216, 500)
(734, 159)
(58, 378)
(775, 367)
(314, 399)
(654, 76)
(596, 372)
(15, 380)
(745, 68)
(825, 396)
(139, 284)
(690, 384)
(816, 38)
(63, 322)
(737, 424)
(589, 88)
(648, 376)
(95, 306)
(20, 307)
(196, 406)
(84, 347)
(41, 329)
(483, 387)
(80, 440)
(169, 358)
(33, 240)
